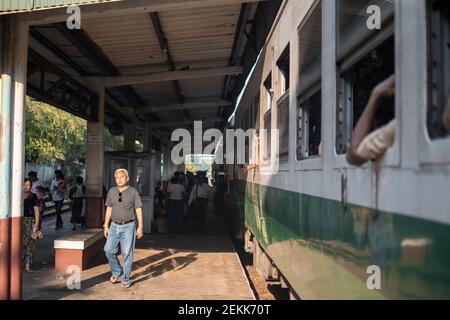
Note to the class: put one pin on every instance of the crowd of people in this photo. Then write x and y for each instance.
(185, 199)
(36, 195)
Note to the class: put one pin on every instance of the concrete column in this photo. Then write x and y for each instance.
(18, 155)
(94, 166)
(14, 49)
(129, 137)
(7, 36)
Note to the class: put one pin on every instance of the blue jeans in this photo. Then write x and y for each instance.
(125, 235)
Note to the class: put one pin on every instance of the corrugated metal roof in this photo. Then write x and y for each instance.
(126, 42)
(12, 6)
(197, 38)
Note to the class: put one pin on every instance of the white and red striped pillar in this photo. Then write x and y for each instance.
(14, 50)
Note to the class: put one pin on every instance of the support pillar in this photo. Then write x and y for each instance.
(94, 166)
(14, 49)
(18, 155)
(5, 153)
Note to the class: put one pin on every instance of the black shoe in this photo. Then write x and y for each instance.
(74, 228)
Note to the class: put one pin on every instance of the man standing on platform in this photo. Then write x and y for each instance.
(123, 207)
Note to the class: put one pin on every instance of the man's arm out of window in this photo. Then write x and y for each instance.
(364, 125)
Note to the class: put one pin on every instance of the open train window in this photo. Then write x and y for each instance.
(438, 65)
(283, 127)
(283, 64)
(309, 112)
(247, 142)
(310, 125)
(267, 127)
(269, 91)
(358, 22)
(365, 58)
(256, 112)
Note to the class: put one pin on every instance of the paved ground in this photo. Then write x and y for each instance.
(185, 266)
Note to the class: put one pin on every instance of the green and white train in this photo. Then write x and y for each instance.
(323, 228)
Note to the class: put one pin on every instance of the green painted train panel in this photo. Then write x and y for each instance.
(312, 239)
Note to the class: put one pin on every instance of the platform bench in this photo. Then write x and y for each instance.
(83, 248)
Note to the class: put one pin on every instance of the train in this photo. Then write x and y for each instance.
(321, 227)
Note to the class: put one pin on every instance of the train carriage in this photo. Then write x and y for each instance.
(324, 228)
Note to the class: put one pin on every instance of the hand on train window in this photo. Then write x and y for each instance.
(366, 145)
(446, 118)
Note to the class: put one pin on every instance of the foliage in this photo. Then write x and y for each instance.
(51, 133)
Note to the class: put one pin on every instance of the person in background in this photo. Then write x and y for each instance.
(39, 189)
(58, 188)
(30, 224)
(175, 205)
(366, 145)
(77, 194)
(200, 195)
(181, 178)
(190, 181)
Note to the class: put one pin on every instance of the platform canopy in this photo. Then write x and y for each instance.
(170, 62)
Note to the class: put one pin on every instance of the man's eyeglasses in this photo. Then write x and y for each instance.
(120, 197)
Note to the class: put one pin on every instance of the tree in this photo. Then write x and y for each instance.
(51, 133)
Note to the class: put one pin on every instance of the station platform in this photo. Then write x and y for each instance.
(185, 266)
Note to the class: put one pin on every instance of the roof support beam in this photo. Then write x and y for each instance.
(91, 51)
(70, 96)
(172, 124)
(115, 81)
(239, 35)
(121, 8)
(164, 45)
(183, 106)
(79, 69)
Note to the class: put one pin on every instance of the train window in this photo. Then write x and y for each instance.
(309, 112)
(256, 111)
(439, 65)
(248, 120)
(366, 57)
(247, 142)
(267, 127)
(283, 127)
(359, 20)
(269, 91)
(310, 125)
(283, 65)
